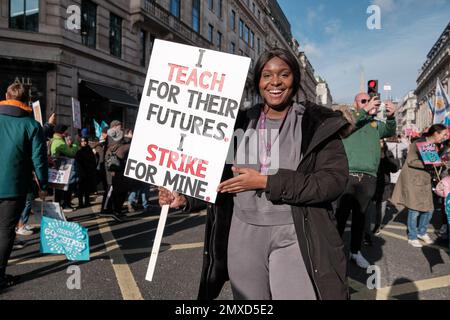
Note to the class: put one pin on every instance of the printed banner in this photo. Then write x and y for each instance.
(62, 237)
(186, 118)
(429, 153)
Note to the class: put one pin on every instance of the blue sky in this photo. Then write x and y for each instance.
(335, 36)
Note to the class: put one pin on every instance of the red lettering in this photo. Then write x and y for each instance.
(183, 160)
(177, 161)
(201, 167)
(190, 165)
(151, 152)
(218, 82)
(202, 78)
(172, 69)
(163, 155)
(172, 159)
(181, 73)
(192, 78)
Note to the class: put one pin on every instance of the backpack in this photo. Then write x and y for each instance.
(112, 161)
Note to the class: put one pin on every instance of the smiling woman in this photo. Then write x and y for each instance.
(271, 230)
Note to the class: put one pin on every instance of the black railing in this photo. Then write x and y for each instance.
(174, 24)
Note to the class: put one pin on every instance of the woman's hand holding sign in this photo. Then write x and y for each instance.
(248, 179)
(174, 199)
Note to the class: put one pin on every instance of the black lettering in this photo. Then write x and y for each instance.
(232, 107)
(174, 91)
(208, 126)
(200, 58)
(180, 146)
(221, 131)
(130, 166)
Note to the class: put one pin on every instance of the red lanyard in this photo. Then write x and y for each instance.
(265, 147)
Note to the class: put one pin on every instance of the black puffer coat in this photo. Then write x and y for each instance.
(319, 180)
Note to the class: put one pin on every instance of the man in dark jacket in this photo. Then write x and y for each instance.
(23, 150)
(316, 183)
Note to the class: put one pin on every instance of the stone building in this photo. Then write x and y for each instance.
(323, 93)
(436, 66)
(98, 51)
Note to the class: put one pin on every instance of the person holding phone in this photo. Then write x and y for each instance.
(363, 153)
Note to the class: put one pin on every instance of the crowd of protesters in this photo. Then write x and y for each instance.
(267, 228)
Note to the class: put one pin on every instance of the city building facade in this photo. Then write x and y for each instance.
(407, 113)
(437, 66)
(98, 51)
(323, 93)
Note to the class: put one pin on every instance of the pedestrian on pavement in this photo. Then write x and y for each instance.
(119, 185)
(272, 232)
(86, 166)
(23, 150)
(62, 147)
(363, 153)
(414, 188)
(383, 191)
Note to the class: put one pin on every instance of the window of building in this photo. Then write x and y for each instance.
(252, 39)
(219, 40)
(196, 15)
(259, 14)
(246, 33)
(259, 45)
(211, 5)
(115, 35)
(175, 8)
(241, 29)
(254, 8)
(143, 42)
(241, 52)
(210, 33)
(88, 23)
(232, 47)
(24, 15)
(219, 9)
(233, 20)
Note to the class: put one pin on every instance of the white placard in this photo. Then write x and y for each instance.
(186, 118)
(37, 112)
(76, 113)
(387, 88)
(48, 209)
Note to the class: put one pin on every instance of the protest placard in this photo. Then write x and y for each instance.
(62, 237)
(185, 122)
(59, 169)
(429, 153)
(76, 113)
(48, 209)
(186, 118)
(37, 112)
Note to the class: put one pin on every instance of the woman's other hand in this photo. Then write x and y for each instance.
(248, 179)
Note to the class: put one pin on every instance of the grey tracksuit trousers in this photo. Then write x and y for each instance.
(265, 262)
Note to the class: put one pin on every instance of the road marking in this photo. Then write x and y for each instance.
(404, 228)
(109, 253)
(404, 288)
(125, 278)
(396, 236)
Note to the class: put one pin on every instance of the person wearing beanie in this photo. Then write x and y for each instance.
(118, 184)
(84, 133)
